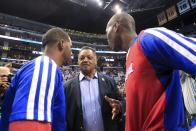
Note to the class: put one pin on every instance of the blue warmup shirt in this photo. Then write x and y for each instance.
(35, 93)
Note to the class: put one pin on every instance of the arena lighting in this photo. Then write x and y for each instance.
(100, 3)
(108, 4)
(112, 60)
(78, 49)
(79, 2)
(37, 42)
(37, 52)
(111, 52)
(41, 53)
(106, 52)
(14, 59)
(117, 9)
(20, 39)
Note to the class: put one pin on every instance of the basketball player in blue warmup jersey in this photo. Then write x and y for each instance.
(35, 99)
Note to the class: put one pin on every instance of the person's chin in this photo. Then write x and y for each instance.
(67, 62)
(85, 67)
(85, 72)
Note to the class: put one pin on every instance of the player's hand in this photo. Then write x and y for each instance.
(115, 104)
(3, 88)
(3, 85)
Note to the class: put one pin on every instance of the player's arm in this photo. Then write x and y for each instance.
(58, 109)
(168, 50)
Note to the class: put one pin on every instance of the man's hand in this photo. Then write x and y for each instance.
(3, 85)
(115, 104)
(4, 72)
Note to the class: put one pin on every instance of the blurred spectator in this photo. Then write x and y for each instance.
(4, 81)
(188, 84)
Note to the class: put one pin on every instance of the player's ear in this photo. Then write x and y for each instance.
(115, 27)
(118, 27)
(60, 45)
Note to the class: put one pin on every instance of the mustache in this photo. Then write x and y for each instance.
(85, 63)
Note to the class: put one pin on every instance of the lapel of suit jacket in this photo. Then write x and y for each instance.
(76, 85)
(102, 87)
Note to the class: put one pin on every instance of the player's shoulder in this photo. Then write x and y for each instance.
(152, 32)
(152, 35)
(156, 29)
(158, 32)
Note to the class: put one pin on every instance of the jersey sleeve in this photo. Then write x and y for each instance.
(58, 122)
(167, 50)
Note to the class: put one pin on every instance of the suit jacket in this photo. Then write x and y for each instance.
(74, 118)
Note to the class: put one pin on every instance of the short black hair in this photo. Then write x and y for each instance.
(88, 48)
(53, 35)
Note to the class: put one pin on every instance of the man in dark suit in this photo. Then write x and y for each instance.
(93, 100)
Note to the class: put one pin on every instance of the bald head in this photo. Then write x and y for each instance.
(124, 19)
(120, 31)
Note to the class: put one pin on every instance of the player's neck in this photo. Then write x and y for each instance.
(129, 40)
(132, 37)
(53, 55)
